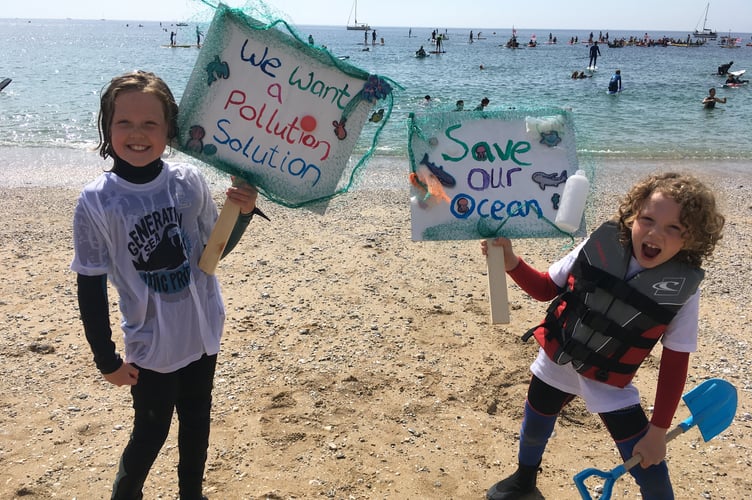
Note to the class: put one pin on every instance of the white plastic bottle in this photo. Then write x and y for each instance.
(572, 204)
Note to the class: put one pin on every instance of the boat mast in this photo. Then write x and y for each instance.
(356, 25)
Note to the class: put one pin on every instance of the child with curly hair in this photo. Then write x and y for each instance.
(633, 282)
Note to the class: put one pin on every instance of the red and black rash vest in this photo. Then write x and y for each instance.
(605, 324)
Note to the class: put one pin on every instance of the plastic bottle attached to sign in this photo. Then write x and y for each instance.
(573, 201)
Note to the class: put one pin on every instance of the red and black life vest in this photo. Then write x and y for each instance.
(604, 324)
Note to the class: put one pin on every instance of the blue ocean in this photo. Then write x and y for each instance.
(59, 67)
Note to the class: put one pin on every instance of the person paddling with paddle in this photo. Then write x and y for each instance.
(633, 282)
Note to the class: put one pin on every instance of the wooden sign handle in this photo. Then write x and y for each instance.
(218, 237)
(497, 285)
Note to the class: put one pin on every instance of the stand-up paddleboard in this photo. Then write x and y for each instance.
(5, 83)
(592, 68)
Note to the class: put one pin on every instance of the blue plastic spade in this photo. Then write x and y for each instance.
(713, 406)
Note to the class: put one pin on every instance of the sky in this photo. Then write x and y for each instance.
(641, 15)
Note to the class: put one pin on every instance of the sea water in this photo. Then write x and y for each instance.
(59, 67)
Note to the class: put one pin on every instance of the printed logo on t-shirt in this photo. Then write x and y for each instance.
(161, 250)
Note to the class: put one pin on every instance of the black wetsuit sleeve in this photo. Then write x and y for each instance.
(239, 229)
(95, 315)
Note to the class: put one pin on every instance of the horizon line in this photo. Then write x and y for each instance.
(343, 26)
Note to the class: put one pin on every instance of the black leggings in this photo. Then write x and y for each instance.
(621, 424)
(155, 396)
(626, 426)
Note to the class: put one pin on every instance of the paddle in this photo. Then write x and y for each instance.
(712, 405)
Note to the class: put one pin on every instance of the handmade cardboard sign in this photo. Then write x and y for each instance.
(279, 112)
(485, 174)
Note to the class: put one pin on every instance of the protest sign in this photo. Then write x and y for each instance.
(279, 112)
(483, 174)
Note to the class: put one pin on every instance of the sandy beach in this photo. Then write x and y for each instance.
(356, 364)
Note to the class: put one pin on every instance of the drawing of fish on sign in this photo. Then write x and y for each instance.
(554, 180)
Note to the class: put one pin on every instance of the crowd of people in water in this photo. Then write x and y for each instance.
(733, 79)
(460, 104)
(615, 82)
(646, 40)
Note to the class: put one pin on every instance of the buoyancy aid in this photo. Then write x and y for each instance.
(604, 324)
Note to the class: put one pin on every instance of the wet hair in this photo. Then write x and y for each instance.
(141, 81)
(698, 213)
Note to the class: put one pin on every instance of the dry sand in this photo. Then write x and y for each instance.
(356, 364)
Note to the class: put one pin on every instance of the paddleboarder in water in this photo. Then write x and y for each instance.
(595, 51)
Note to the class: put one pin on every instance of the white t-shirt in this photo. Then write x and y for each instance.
(148, 238)
(680, 335)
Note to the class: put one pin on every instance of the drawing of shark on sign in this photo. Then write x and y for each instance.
(543, 179)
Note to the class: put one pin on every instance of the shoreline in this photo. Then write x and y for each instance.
(73, 168)
(355, 363)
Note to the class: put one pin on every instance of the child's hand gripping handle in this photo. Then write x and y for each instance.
(713, 406)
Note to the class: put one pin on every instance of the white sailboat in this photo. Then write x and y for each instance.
(354, 15)
(705, 33)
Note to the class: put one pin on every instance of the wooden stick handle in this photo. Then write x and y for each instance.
(497, 284)
(218, 237)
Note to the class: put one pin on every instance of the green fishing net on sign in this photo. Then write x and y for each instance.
(482, 174)
(283, 114)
